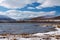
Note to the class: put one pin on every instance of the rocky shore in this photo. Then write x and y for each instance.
(50, 35)
(54, 35)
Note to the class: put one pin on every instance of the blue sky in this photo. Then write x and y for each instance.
(32, 8)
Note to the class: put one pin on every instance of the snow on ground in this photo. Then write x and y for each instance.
(3, 39)
(50, 33)
(41, 35)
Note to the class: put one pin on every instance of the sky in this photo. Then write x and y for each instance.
(21, 9)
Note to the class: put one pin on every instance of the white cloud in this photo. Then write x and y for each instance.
(25, 14)
(40, 1)
(15, 3)
(22, 3)
(2, 13)
(1, 1)
(49, 3)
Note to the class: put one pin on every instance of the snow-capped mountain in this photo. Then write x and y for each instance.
(4, 18)
(49, 16)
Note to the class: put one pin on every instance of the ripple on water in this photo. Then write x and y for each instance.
(19, 28)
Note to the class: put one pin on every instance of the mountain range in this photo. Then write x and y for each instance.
(5, 19)
(37, 19)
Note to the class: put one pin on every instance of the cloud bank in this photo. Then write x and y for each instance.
(49, 3)
(23, 3)
(25, 14)
(15, 3)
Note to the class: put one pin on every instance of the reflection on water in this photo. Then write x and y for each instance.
(19, 28)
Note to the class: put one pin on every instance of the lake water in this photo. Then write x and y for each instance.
(19, 28)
